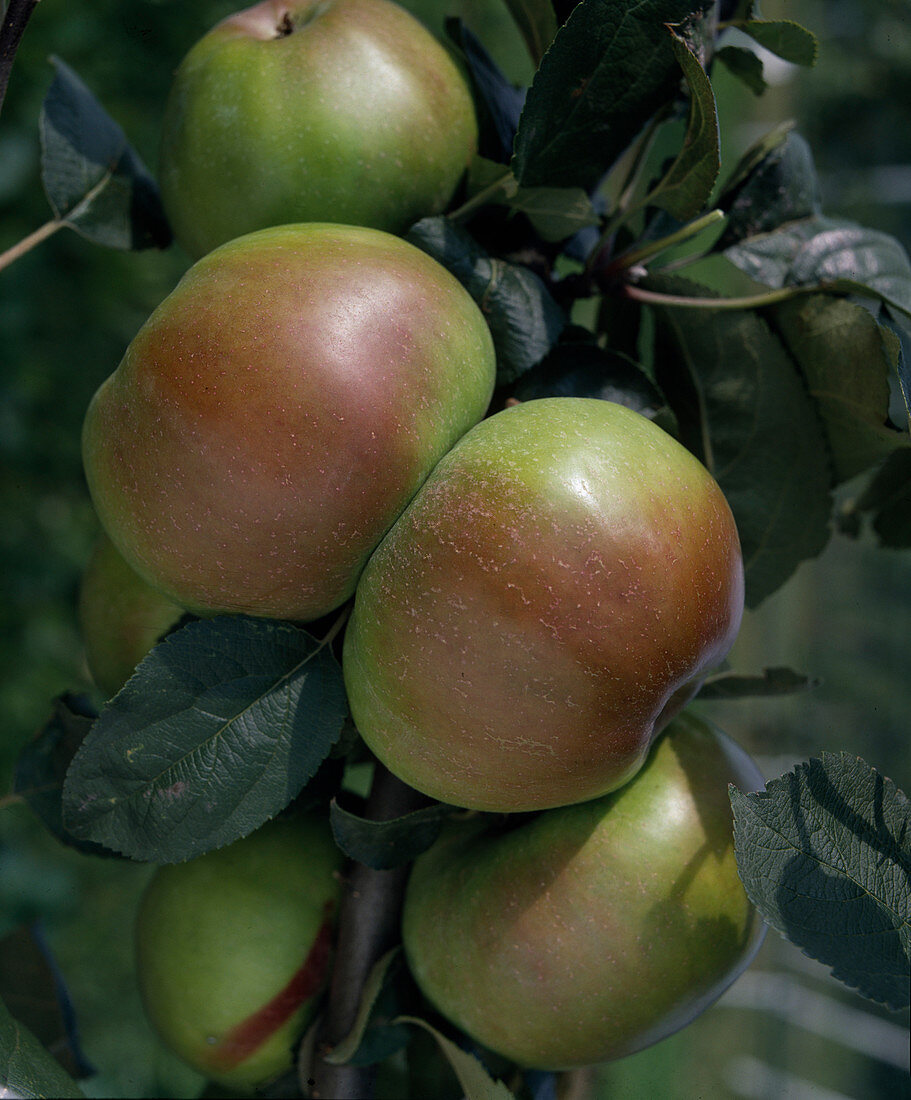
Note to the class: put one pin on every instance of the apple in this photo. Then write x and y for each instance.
(547, 600)
(120, 616)
(594, 930)
(233, 949)
(277, 412)
(313, 110)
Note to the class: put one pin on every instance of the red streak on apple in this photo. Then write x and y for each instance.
(247, 1036)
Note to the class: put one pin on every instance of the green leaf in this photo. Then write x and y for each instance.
(775, 182)
(383, 845)
(744, 411)
(847, 257)
(555, 212)
(525, 321)
(348, 1050)
(846, 357)
(610, 68)
(476, 1082)
(745, 65)
(825, 855)
(785, 38)
(221, 726)
(888, 500)
(27, 1070)
(537, 24)
(94, 179)
(42, 765)
(772, 682)
(685, 188)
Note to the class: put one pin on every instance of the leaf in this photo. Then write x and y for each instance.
(610, 68)
(685, 188)
(555, 212)
(220, 727)
(26, 1068)
(888, 499)
(537, 24)
(523, 317)
(42, 765)
(770, 186)
(94, 179)
(745, 65)
(383, 845)
(848, 257)
(785, 38)
(32, 989)
(476, 1083)
(846, 358)
(825, 855)
(772, 682)
(347, 1051)
(743, 410)
(500, 103)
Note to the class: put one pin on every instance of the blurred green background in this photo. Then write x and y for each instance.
(67, 311)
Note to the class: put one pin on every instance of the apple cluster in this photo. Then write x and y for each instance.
(307, 423)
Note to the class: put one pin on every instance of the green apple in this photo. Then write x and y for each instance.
(277, 412)
(120, 616)
(591, 931)
(233, 949)
(545, 602)
(313, 110)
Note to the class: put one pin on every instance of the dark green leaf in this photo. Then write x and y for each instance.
(610, 68)
(473, 1077)
(845, 256)
(555, 212)
(789, 40)
(577, 369)
(26, 1068)
(769, 187)
(745, 65)
(220, 727)
(365, 1044)
(846, 358)
(383, 845)
(94, 179)
(773, 681)
(825, 855)
(744, 411)
(32, 988)
(523, 317)
(42, 766)
(888, 500)
(536, 22)
(685, 188)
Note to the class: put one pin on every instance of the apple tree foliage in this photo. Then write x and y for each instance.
(764, 334)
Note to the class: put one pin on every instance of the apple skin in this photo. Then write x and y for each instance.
(120, 616)
(548, 598)
(277, 412)
(313, 110)
(233, 949)
(591, 931)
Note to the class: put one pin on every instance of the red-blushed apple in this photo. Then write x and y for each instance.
(313, 110)
(591, 931)
(234, 949)
(277, 412)
(120, 617)
(548, 597)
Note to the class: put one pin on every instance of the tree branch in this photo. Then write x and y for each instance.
(369, 921)
(18, 13)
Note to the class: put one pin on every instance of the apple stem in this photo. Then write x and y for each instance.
(29, 242)
(17, 15)
(369, 925)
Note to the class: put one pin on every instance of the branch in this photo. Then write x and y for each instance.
(18, 13)
(369, 924)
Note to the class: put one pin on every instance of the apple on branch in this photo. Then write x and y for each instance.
(313, 110)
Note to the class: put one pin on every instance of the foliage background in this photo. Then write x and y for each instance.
(68, 309)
